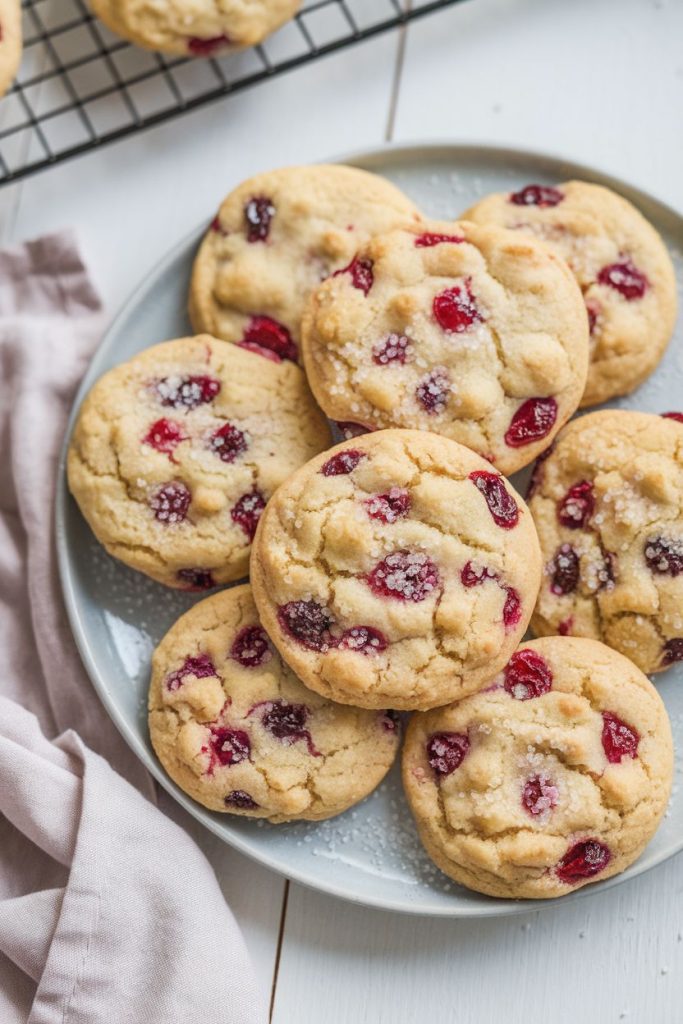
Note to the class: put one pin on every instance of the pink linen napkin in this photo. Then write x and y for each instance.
(108, 911)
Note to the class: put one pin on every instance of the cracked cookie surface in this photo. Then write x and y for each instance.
(620, 263)
(236, 730)
(275, 238)
(397, 569)
(556, 776)
(608, 505)
(464, 330)
(194, 28)
(10, 42)
(176, 452)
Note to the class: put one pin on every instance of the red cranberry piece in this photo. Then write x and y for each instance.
(664, 556)
(186, 392)
(512, 609)
(230, 746)
(583, 860)
(618, 739)
(429, 239)
(673, 416)
(577, 506)
(565, 627)
(363, 639)
(395, 348)
(349, 429)
(404, 575)
(606, 571)
(564, 570)
(286, 722)
(534, 420)
(216, 225)
(362, 276)
(251, 647)
(391, 721)
(537, 195)
(593, 311)
(270, 339)
(196, 579)
(455, 309)
(307, 622)
(673, 651)
(200, 666)
(537, 472)
(433, 390)
(165, 435)
(343, 463)
(446, 751)
(258, 213)
(171, 502)
(527, 675)
(389, 507)
(247, 512)
(625, 278)
(472, 576)
(238, 798)
(539, 795)
(501, 504)
(207, 47)
(228, 442)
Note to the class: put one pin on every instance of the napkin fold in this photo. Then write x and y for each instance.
(108, 911)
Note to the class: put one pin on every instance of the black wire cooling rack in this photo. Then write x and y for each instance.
(79, 86)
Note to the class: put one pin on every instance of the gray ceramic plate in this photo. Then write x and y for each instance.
(371, 854)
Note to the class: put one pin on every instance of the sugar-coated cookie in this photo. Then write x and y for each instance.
(608, 506)
(469, 331)
(275, 238)
(620, 263)
(176, 452)
(195, 28)
(234, 727)
(554, 777)
(396, 570)
(10, 42)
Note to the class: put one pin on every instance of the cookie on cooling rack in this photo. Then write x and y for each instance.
(607, 505)
(396, 570)
(234, 727)
(556, 776)
(10, 42)
(195, 28)
(469, 331)
(176, 452)
(275, 238)
(620, 263)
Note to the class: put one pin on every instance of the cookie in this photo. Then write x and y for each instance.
(176, 452)
(275, 238)
(556, 776)
(236, 730)
(466, 330)
(10, 42)
(396, 570)
(194, 28)
(608, 506)
(620, 263)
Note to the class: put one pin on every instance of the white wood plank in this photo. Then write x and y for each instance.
(617, 957)
(594, 80)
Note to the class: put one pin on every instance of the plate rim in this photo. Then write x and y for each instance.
(363, 158)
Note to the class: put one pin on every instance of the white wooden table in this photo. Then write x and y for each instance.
(594, 80)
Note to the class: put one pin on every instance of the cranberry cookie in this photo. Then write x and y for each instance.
(274, 239)
(620, 263)
(194, 28)
(396, 570)
(176, 452)
(468, 331)
(10, 42)
(554, 777)
(607, 505)
(234, 727)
